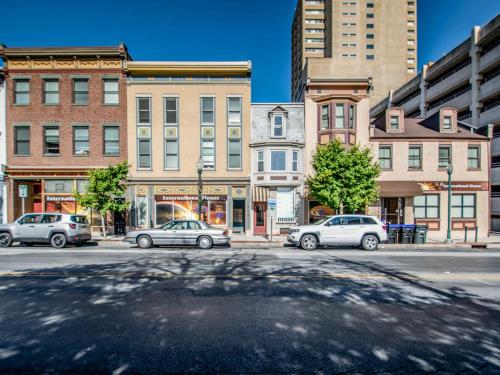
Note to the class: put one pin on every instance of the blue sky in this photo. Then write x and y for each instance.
(213, 30)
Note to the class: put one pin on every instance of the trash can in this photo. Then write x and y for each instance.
(420, 234)
(407, 231)
(393, 233)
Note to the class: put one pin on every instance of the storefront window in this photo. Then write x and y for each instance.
(142, 211)
(463, 206)
(58, 186)
(426, 206)
(318, 211)
(212, 211)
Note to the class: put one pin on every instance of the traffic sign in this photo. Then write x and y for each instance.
(23, 191)
(271, 203)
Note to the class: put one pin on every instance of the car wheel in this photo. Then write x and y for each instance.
(369, 242)
(5, 239)
(205, 242)
(308, 242)
(144, 242)
(58, 241)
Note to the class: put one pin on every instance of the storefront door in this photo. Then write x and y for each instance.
(259, 218)
(393, 210)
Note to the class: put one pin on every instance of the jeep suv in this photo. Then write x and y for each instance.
(349, 230)
(54, 228)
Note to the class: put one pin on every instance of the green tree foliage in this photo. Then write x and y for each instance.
(344, 178)
(104, 186)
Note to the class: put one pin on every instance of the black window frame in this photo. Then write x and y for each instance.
(390, 157)
(45, 146)
(75, 128)
(74, 91)
(17, 140)
(419, 167)
(104, 140)
(426, 206)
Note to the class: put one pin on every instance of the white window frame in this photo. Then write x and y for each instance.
(274, 126)
(295, 161)
(260, 159)
(271, 160)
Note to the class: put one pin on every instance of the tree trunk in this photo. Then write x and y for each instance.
(341, 208)
(103, 225)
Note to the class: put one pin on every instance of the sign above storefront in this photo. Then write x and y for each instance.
(59, 198)
(190, 197)
(455, 185)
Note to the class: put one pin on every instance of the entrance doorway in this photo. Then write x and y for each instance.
(393, 210)
(239, 215)
(259, 226)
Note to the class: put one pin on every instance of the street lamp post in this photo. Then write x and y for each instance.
(200, 185)
(449, 171)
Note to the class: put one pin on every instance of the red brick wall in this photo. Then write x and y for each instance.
(95, 115)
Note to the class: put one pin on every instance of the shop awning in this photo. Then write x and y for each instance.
(260, 194)
(394, 189)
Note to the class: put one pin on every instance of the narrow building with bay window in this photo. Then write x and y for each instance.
(66, 114)
(182, 114)
(414, 155)
(277, 166)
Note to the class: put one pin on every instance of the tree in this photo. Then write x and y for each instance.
(105, 185)
(344, 179)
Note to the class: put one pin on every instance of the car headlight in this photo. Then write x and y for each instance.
(294, 230)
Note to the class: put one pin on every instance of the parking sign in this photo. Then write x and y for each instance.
(271, 203)
(23, 191)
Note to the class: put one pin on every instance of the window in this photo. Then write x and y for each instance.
(369, 5)
(111, 91)
(51, 140)
(111, 140)
(234, 111)
(394, 122)
(234, 154)
(370, 46)
(278, 126)
(170, 105)
(260, 161)
(59, 186)
(411, 42)
(385, 157)
(426, 206)
(172, 154)
(81, 140)
(415, 157)
(285, 205)
(278, 161)
(81, 91)
(370, 36)
(51, 91)
(208, 153)
(370, 26)
(370, 57)
(22, 140)
(22, 91)
(144, 153)
(473, 159)
(353, 220)
(447, 123)
(463, 206)
(144, 110)
(444, 156)
(410, 60)
(207, 110)
(370, 15)
(352, 116)
(325, 117)
(339, 116)
(295, 161)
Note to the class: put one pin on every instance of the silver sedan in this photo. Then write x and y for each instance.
(179, 232)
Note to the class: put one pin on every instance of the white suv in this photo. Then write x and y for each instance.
(350, 230)
(54, 228)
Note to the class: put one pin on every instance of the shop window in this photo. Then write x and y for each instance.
(58, 186)
(426, 206)
(212, 212)
(285, 205)
(463, 206)
(51, 140)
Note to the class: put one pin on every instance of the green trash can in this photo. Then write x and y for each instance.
(420, 234)
(407, 231)
(393, 233)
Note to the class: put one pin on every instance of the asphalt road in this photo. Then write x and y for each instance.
(119, 310)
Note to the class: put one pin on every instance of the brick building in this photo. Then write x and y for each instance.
(66, 113)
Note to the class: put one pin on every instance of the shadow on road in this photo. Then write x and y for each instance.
(190, 313)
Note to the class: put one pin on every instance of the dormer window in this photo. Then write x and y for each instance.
(447, 123)
(394, 122)
(278, 122)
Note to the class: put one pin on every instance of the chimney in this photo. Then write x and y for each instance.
(490, 131)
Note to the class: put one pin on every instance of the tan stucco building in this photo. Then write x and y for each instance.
(180, 112)
(355, 39)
